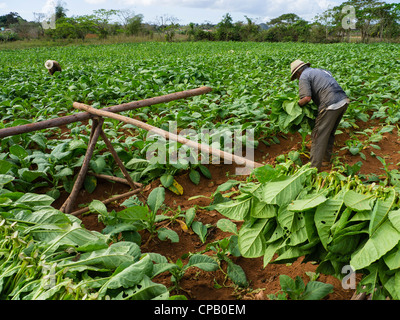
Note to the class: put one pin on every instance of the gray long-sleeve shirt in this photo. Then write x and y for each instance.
(320, 85)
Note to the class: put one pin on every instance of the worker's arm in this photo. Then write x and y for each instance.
(302, 102)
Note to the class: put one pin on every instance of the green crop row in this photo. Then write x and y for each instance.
(251, 89)
(337, 221)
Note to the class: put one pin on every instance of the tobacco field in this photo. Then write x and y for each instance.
(199, 230)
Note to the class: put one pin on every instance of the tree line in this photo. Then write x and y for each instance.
(360, 19)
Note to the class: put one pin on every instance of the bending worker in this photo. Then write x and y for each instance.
(320, 86)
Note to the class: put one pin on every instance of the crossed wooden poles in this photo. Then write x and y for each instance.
(95, 133)
(97, 117)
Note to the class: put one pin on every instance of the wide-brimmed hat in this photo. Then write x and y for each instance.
(49, 64)
(295, 66)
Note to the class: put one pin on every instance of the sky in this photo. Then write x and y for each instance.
(184, 11)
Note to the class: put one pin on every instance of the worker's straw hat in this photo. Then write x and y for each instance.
(295, 66)
(49, 64)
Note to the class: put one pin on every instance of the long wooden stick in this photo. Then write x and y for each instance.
(11, 131)
(109, 200)
(168, 135)
(115, 179)
(66, 207)
(117, 159)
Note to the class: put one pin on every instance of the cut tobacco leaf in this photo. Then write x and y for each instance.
(310, 202)
(357, 201)
(385, 238)
(235, 210)
(325, 217)
(251, 239)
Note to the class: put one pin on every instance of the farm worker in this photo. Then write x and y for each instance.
(320, 86)
(52, 66)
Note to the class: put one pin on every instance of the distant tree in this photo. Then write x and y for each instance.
(318, 33)
(103, 17)
(387, 15)
(9, 19)
(124, 16)
(134, 25)
(249, 31)
(365, 11)
(191, 31)
(60, 10)
(287, 27)
(226, 30)
(285, 20)
(74, 27)
(372, 18)
(168, 25)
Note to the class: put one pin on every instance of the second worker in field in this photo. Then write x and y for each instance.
(319, 86)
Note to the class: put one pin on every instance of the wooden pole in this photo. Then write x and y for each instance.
(117, 160)
(66, 207)
(51, 123)
(171, 136)
(115, 179)
(114, 198)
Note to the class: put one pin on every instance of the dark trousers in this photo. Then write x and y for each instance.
(323, 135)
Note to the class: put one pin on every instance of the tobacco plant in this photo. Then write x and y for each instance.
(48, 255)
(329, 218)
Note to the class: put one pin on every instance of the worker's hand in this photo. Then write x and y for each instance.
(302, 102)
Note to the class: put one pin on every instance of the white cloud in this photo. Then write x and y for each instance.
(49, 7)
(306, 9)
(3, 5)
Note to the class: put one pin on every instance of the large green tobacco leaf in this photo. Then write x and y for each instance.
(392, 285)
(385, 238)
(392, 259)
(236, 210)
(44, 216)
(128, 275)
(371, 280)
(5, 166)
(394, 217)
(357, 201)
(290, 221)
(283, 192)
(381, 210)
(35, 200)
(145, 290)
(261, 209)
(316, 290)
(270, 250)
(290, 254)
(55, 236)
(325, 217)
(156, 199)
(251, 239)
(110, 258)
(307, 203)
(203, 262)
(265, 173)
